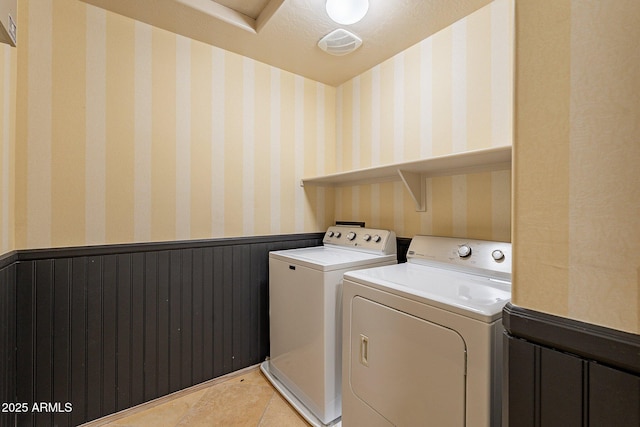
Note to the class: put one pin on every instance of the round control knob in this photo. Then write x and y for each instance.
(351, 235)
(338, 234)
(464, 251)
(497, 255)
(330, 233)
(366, 237)
(377, 238)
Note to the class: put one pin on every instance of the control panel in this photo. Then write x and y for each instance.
(366, 239)
(491, 258)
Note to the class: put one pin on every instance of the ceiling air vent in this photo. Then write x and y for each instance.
(340, 42)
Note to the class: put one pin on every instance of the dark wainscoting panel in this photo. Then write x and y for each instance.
(104, 328)
(7, 340)
(564, 373)
(111, 327)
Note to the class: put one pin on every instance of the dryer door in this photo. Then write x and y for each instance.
(407, 369)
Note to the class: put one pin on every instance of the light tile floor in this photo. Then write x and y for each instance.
(244, 400)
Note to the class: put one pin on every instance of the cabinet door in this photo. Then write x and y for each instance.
(409, 370)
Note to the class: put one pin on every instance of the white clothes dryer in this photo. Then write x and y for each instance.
(422, 341)
(305, 297)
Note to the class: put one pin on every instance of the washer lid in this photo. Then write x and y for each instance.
(329, 258)
(473, 296)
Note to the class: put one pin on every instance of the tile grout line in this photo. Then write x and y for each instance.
(188, 411)
(264, 412)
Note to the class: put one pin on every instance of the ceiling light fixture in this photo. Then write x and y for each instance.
(347, 12)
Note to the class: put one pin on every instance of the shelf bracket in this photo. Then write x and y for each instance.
(416, 185)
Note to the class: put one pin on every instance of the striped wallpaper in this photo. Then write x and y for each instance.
(128, 133)
(121, 132)
(450, 93)
(576, 234)
(7, 145)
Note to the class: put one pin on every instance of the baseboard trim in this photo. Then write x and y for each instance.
(107, 420)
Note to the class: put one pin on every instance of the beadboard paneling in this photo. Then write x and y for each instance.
(560, 372)
(110, 327)
(7, 337)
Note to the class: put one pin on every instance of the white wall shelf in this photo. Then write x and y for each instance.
(413, 174)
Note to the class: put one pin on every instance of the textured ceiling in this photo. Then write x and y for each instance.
(285, 33)
(251, 8)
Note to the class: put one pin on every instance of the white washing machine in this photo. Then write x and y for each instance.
(305, 296)
(422, 341)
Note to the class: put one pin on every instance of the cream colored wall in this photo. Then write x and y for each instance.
(7, 146)
(450, 93)
(576, 152)
(121, 133)
(128, 133)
